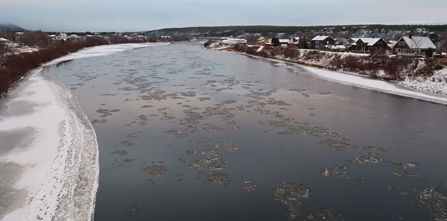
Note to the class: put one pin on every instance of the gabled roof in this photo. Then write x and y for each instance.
(294, 40)
(367, 41)
(321, 38)
(419, 42)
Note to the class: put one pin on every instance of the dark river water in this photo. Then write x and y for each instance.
(191, 134)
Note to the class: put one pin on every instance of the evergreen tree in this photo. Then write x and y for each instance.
(275, 41)
(429, 53)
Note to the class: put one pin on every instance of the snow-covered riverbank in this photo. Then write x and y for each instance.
(49, 153)
(432, 88)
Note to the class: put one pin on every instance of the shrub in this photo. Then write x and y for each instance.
(429, 53)
(290, 52)
(336, 62)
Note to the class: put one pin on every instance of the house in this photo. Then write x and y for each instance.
(367, 44)
(262, 41)
(268, 42)
(62, 36)
(413, 46)
(294, 40)
(231, 41)
(391, 43)
(320, 41)
(300, 42)
(283, 42)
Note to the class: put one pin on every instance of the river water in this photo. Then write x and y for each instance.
(191, 134)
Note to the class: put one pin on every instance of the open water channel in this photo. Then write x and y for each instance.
(191, 134)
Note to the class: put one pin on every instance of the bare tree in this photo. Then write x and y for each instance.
(36, 38)
(4, 51)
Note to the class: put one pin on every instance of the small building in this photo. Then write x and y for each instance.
(300, 42)
(413, 46)
(294, 40)
(320, 42)
(262, 41)
(231, 41)
(62, 36)
(284, 42)
(337, 48)
(268, 42)
(367, 44)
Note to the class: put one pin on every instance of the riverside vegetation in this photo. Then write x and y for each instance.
(16, 66)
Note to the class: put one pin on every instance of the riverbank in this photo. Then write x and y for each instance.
(15, 66)
(409, 77)
(427, 75)
(49, 163)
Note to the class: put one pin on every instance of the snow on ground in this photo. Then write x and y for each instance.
(433, 89)
(434, 84)
(377, 85)
(45, 134)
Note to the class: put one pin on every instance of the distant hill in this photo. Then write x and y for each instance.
(10, 27)
(267, 30)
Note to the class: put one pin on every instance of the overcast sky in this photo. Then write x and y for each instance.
(144, 15)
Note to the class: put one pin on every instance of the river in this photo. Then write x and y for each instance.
(186, 133)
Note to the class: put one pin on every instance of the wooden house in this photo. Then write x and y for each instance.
(413, 46)
(320, 41)
(367, 44)
(262, 41)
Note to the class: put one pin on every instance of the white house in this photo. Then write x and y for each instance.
(231, 41)
(62, 36)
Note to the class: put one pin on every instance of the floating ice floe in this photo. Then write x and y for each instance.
(324, 214)
(336, 144)
(215, 177)
(338, 171)
(249, 186)
(371, 157)
(434, 200)
(400, 166)
(228, 146)
(155, 170)
(292, 194)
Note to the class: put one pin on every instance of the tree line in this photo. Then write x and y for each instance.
(13, 66)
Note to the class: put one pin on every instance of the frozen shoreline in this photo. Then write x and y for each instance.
(370, 83)
(377, 85)
(52, 145)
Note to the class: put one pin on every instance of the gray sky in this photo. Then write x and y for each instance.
(143, 15)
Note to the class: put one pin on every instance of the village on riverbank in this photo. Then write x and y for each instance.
(411, 61)
(415, 59)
